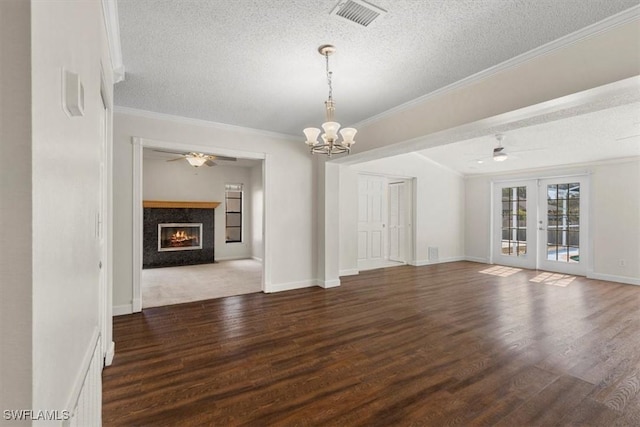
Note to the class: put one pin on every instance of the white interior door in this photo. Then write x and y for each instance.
(562, 221)
(514, 223)
(372, 202)
(397, 219)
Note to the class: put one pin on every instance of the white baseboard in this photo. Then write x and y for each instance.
(256, 258)
(328, 283)
(232, 258)
(476, 259)
(614, 278)
(120, 310)
(421, 262)
(349, 272)
(280, 287)
(111, 352)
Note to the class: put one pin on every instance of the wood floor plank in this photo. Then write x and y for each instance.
(425, 346)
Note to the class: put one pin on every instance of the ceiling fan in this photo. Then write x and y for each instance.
(196, 159)
(500, 154)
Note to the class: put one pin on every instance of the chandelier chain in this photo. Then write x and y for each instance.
(329, 74)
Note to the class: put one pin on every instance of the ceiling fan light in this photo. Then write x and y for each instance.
(312, 135)
(196, 161)
(500, 156)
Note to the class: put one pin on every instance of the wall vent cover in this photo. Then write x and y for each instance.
(358, 12)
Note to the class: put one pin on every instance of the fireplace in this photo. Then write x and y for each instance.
(179, 237)
(177, 233)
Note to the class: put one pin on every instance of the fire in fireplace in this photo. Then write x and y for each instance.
(179, 237)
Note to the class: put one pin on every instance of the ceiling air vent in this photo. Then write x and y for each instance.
(358, 11)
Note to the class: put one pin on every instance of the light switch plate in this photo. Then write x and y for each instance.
(72, 94)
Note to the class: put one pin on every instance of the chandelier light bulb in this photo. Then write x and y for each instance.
(347, 135)
(331, 130)
(312, 135)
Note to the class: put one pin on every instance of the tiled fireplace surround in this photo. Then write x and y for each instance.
(157, 212)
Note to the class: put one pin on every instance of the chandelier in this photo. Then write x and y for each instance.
(329, 143)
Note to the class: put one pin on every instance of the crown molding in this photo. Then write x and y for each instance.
(606, 24)
(200, 122)
(112, 26)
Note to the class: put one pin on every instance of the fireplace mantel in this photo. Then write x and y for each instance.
(171, 204)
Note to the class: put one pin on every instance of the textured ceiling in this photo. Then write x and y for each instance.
(254, 63)
(608, 134)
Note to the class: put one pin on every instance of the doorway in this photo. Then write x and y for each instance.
(260, 246)
(542, 224)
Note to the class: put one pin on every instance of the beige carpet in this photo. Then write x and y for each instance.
(174, 285)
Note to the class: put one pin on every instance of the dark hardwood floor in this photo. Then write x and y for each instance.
(423, 346)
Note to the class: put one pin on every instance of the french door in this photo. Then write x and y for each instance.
(542, 224)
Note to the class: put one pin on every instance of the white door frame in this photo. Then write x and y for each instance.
(106, 293)
(138, 145)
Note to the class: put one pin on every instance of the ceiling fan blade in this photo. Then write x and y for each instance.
(228, 159)
(167, 151)
(627, 137)
(529, 150)
(209, 163)
(177, 158)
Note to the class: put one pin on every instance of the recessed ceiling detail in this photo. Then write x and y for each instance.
(358, 11)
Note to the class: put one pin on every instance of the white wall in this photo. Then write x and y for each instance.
(289, 193)
(616, 219)
(256, 192)
(439, 207)
(348, 239)
(65, 190)
(615, 216)
(179, 181)
(15, 205)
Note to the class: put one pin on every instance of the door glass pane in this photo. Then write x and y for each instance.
(514, 221)
(563, 222)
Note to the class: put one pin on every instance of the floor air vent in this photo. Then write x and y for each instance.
(358, 12)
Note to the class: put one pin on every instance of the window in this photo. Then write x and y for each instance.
(514, 221)
(563, 219)
(233, 212)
